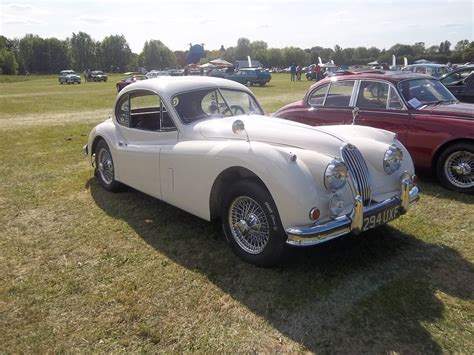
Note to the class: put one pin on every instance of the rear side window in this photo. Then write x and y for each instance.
(143, 110)
(339, 94)
(318, 96)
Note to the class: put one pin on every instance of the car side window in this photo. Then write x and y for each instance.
(372, 94)
(421, 70)
(394, 102)
(318, 96)
(456, 78)
(144, 110)
(339, 94)
(122, 111)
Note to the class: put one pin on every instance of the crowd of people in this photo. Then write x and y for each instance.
(296, 70)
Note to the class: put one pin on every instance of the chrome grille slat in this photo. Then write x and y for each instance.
(359, 171)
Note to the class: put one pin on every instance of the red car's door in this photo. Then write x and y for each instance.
(378, 105)
(328, 105)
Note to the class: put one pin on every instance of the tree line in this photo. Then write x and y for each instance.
(33, 54)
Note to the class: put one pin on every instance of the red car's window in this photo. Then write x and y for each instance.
(318, 96)
(394, 100)
(372, 94)
(339, 94)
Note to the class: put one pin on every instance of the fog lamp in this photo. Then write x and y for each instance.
(336, 205)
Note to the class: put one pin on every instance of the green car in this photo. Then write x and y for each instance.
(250, 76)
(69, 77)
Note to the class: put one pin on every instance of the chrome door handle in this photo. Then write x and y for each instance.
(355, 113)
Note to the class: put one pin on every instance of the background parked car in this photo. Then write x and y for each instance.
(97, 75)
(461, 83)
(156, 73)
(69, 77)
(250, 76)
(436, 128)
(433, 69)
(129, 80)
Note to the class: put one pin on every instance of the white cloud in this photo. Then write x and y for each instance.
(92, 20)
(19, 7)
(20, 20)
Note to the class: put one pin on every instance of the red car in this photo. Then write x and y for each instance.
(436, 128)
(129, 80)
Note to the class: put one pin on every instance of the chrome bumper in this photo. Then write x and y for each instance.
(85, 149)
(319, 233)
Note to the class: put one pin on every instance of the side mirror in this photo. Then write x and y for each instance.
(238, 127)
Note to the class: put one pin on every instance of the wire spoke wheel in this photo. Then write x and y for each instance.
(105, 166)
(248, 224)
(459, 169)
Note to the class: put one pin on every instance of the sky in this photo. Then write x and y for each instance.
(304, 23)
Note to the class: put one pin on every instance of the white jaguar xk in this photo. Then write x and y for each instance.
(203, 145)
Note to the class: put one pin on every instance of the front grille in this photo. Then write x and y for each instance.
(359, 171)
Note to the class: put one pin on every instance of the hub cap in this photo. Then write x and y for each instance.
(105, 166)
(249, 225)
(459, 169)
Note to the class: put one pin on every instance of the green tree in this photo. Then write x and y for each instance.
(155, 55)
(294, 55)
(243, 49)
(338, 56)
(258, 46)
(83, 51)
(8, 63)
(419, 49)
(58, 55)
(348, 54)
(274, 58)
(115, 53)
(445, 48)
(461, 45)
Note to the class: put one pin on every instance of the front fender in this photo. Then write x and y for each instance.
(108, 132)
(189, 169)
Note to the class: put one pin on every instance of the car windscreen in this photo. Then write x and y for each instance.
(201, 104)
(419, 92)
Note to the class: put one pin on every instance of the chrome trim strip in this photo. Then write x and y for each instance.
(319, 233)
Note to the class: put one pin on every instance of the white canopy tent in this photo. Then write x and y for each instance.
(219, 62)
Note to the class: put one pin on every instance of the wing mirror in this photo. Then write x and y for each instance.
(238, 127)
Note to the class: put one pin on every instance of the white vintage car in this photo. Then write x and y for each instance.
(204, 145)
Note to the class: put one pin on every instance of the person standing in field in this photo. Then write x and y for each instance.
(292, 72)
(298, 72)
(317, 70)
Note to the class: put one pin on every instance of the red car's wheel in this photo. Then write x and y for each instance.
(455, 167)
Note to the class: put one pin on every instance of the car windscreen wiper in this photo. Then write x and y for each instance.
(437, 102)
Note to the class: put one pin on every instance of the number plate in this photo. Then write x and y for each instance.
(380, 218)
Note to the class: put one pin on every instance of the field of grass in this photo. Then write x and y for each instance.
(84, 270)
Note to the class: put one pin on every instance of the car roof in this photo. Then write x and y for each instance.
(168, 86)
(387, 75)
(462, 68)
(434, 65)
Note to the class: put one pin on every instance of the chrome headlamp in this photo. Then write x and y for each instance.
(336, 175)
(392, 159)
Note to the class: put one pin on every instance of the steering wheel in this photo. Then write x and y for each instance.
(234, 109)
